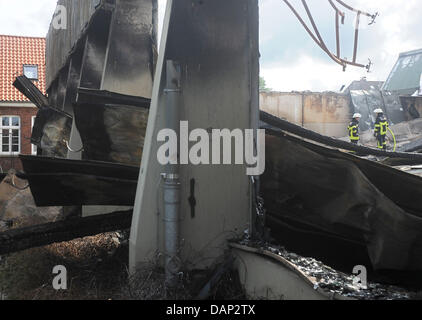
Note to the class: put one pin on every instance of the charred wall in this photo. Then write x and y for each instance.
(117, 40)
(412, 107)
(107, 46)
(61, 41)
(326, 113)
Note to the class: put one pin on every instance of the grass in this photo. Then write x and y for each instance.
(97, 270)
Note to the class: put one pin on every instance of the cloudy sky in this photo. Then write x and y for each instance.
(290, 60)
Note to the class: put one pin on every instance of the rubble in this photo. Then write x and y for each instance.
(415, 170)
(18, 206)
(408, 136)
(334, 281)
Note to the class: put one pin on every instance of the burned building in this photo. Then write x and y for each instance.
(327, 113)
(99, 76)
(398, 96)
(314, 195)
(405, 78)
(109, 46)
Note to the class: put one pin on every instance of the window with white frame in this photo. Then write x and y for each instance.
(10, 130)
(34, 147)
(31, 71)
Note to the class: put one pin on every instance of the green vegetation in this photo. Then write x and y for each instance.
(263, 85)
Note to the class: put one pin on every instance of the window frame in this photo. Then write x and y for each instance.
(10, 127)
(32, 65)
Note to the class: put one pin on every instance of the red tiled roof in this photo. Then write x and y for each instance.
(15, 52)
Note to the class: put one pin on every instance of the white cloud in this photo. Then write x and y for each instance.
(309, 74)
(397, 30)
(26, 17)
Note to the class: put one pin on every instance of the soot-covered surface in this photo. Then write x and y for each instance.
(343, 200)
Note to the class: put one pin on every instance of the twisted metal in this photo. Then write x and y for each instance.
(316, 36)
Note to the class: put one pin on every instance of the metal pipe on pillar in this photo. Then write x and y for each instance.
(219, 91)
(172, 178)
(171, 227)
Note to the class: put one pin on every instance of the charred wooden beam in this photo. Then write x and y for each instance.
(66, 230)
(28, 88)
(52, 126)
(93, 96)
(62, 182)
(112, 132)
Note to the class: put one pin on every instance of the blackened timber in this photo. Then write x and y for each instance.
(336, 193)
(60, 182)
(385, 178)
(34, 164)
(69, 189)
(95, 51)
(30, 90)
(35, 236)
(62, 44)
(112, 126)
(93, 96)
(52, 126)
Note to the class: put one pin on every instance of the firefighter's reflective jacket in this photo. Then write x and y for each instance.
(354, 130)
(381, 126)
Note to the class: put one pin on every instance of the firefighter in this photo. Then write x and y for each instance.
(381, 127)
(354, 128)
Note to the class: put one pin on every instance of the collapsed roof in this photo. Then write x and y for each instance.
(363, 84)
(366, 101)
(405, 77)
(335, 203)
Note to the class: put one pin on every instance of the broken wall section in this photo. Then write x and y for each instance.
(327, 113)
(61, 41)
(109, 48)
